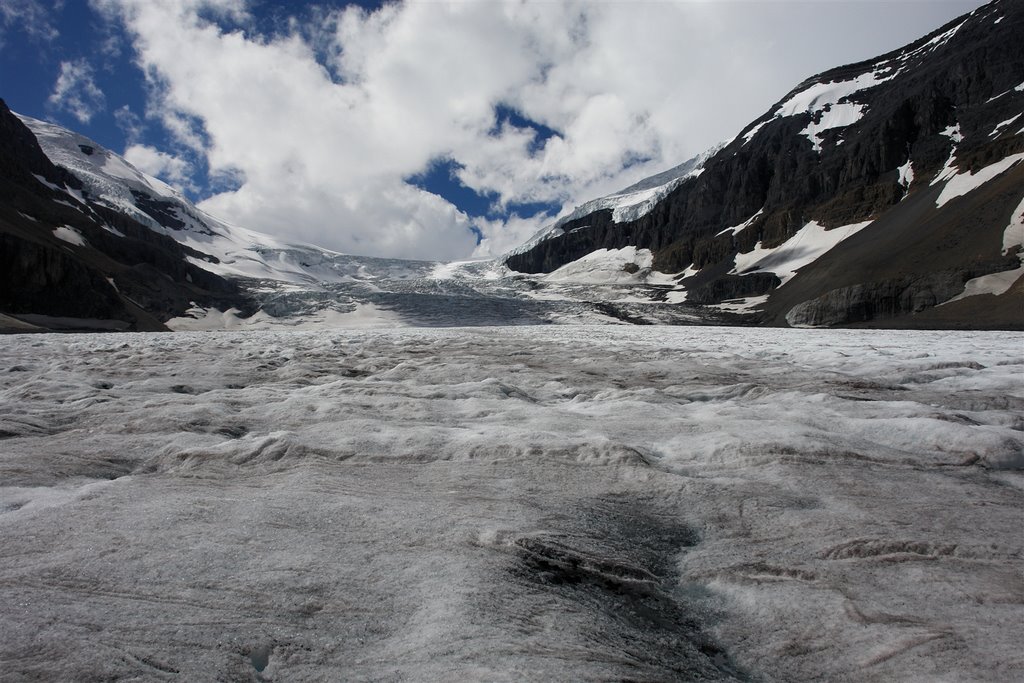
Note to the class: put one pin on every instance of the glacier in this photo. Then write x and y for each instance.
(512, 504)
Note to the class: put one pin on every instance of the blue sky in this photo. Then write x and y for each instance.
(422, 129)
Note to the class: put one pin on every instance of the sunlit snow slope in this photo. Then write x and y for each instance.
(238, 252)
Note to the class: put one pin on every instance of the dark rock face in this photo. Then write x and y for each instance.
(21, 158)
(125, 272)
(159, 210)
(733, 287)
(960, 81)
(36, 277)
(874, 300)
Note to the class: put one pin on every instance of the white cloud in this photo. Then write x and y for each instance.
(321, 126)
(501, 236)
(174, 171)
(130, 124)
(31, 17)
(76, 92)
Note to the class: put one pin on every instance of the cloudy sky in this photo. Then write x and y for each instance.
(423, 129)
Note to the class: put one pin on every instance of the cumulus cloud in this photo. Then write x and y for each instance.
(76, 91)
(320, 125)
(175, 171)
(501, 236)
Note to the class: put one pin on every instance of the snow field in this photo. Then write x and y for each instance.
(70, 235)
(806, 246)
(960, 184)
(606, 266)
(527, 503)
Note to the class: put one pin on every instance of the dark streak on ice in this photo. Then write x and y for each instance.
(233, 431)
(260, 658)
(620, 573)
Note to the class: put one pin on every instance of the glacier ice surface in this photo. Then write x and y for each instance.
(517, 503)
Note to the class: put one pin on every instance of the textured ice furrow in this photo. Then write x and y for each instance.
(558, 564)
(589, 502)
(14, 425)
(860, 549)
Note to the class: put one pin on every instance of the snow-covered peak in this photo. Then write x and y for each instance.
(110, 180)
(630, 203)
(934, 43)
(638, 199)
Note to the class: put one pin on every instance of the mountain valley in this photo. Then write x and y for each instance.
(888, 193)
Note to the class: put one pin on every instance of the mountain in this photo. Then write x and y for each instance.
(118, 233)
(886, 193)
(630, 203)
(68, 261)
(223, 249)
(89, 242)
(71, 260)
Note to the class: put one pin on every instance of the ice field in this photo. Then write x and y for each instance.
(513, 504)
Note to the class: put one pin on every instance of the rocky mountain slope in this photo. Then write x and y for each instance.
(887, 192)
(87, 241)
(83, 206)
(69, 260)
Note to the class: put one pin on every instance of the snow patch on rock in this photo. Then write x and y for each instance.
(1013, 237)
(999, 283)
(828, 105)
(1000, 126)
(949, 169)
(834, 116)
(70, 235)
(959, 184)
(953, 133)
(806, 246)
(745, 305)
(818, 96)
(906, 172)
(749, 135)
(993, 283)
(736, 229)
(1019, 88)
